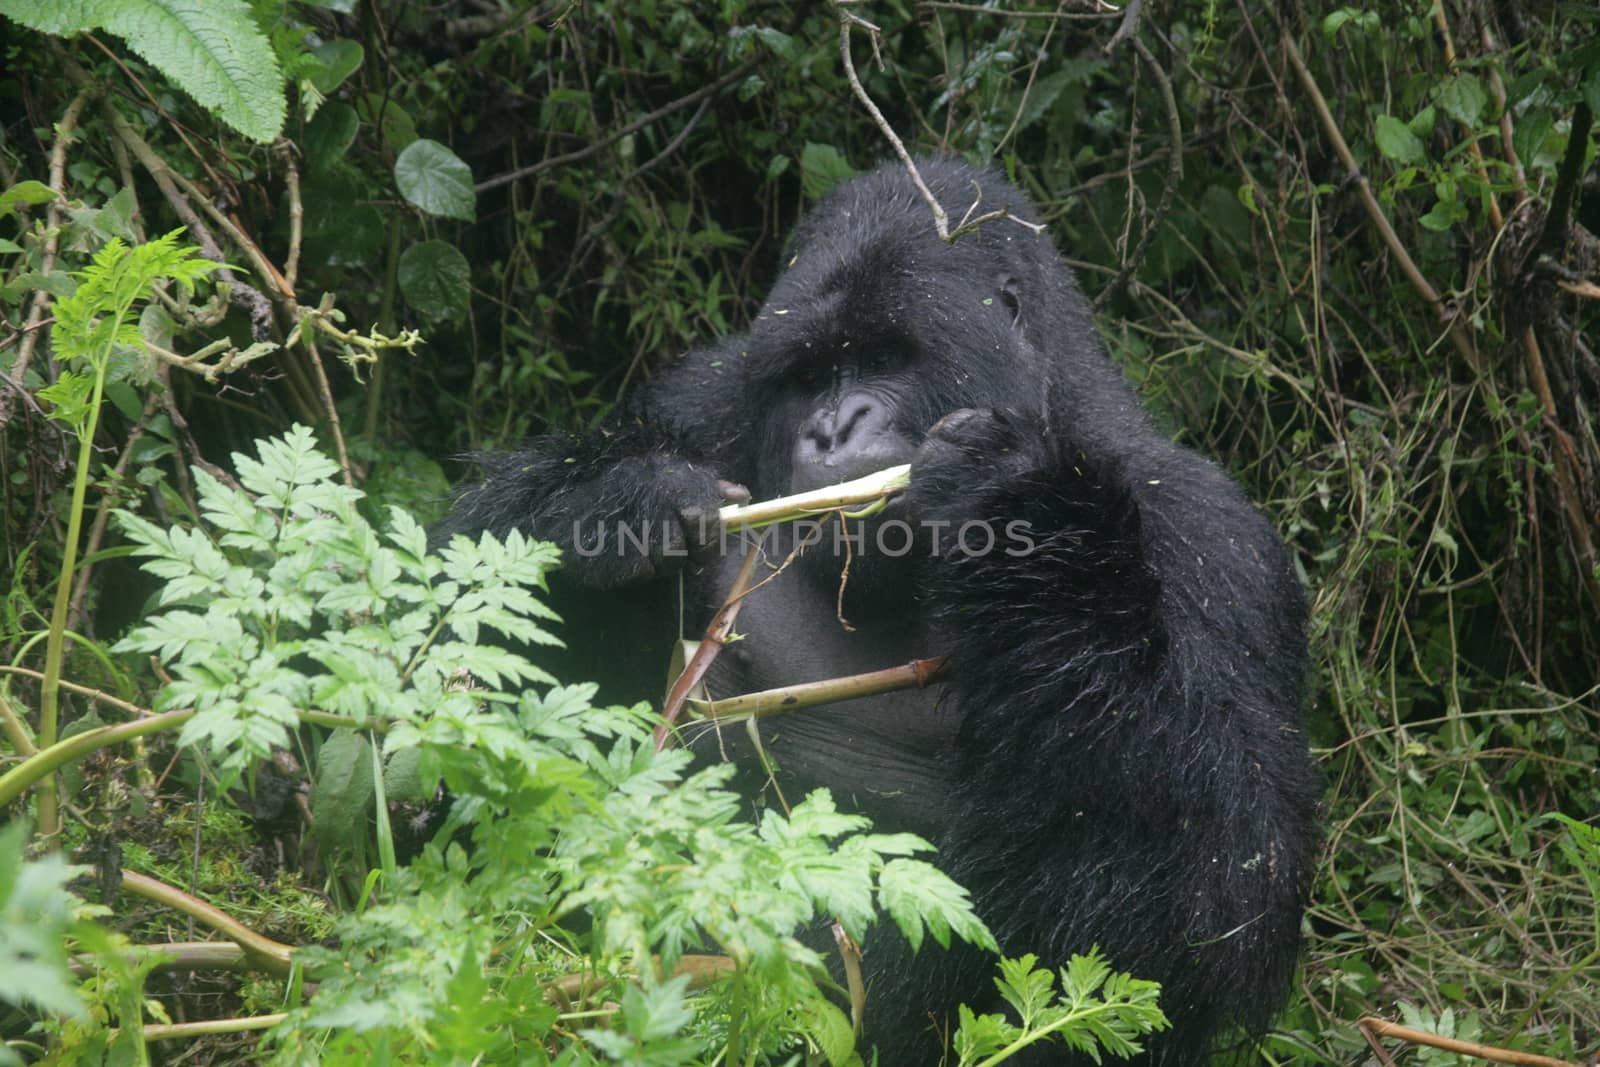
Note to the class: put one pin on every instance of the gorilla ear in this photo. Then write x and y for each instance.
(1011, 297)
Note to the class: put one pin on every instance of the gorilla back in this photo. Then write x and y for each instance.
(1115, 754)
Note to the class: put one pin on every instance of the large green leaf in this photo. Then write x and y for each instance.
(435, 279)
(60, 17)
(337, 61)
(341, 795)
(329, 136)
(434, 178)
(1397, 141)
(210, 48)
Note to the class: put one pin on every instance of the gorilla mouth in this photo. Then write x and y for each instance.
(831, 470)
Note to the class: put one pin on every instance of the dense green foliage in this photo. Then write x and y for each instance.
(1349, 250)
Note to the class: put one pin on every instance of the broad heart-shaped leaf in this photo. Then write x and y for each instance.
(435, 279)
(213, 51)
(339, 59)
(329, 136)
(434, 178)
(1396, 140)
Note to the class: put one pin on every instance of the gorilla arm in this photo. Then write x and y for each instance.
(1129, 697)
(623, 501)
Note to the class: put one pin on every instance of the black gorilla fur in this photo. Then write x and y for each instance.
(1116, 755)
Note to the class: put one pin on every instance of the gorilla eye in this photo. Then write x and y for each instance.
(811, 377)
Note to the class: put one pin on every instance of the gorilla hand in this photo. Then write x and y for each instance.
(972, 467)
(640, 519)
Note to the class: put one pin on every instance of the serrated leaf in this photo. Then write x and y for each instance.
(831, 1030)
(213, 51)
(1044, 93)
(60, 17)
(435, 179)
(822, 168)
(1025, 988)
(1397, 141)
(918, 894)
(435, 279)
(1462, 98)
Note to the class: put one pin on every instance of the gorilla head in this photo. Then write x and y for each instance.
(1114, 756)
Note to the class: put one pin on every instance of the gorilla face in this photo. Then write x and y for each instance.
(1114, 756)
(850, 428)
(848, 380)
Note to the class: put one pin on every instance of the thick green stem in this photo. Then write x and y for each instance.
(50, 690)
(53, 757)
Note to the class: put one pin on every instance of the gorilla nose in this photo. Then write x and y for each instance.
(843, 428)
(836, 444)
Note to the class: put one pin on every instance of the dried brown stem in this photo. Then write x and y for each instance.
(1371, 1026)
(172, 1031)
(917, 674)
(1458, 334)
(1101, 14)
(325, 392)
(178, 190)
(706, 652)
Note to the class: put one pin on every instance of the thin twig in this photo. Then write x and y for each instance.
(1458, 333)
(1174, 172)
(66, 129)
(1100, 14)
(1370, 1026)
(178, 190)
(716, 634)
(941, 219)
(297, 214)
(99, 695)
(633, 127)
(325, 391)
(206, 1027)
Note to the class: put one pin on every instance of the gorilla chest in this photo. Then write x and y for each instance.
(888, 756)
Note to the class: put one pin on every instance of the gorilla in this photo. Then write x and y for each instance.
(1114, 754)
